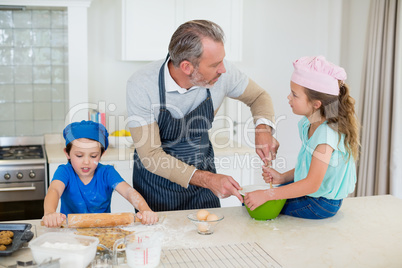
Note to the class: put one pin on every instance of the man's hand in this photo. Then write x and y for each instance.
(221, 185)
(266, 146)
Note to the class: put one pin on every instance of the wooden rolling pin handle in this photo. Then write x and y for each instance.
(98, 220)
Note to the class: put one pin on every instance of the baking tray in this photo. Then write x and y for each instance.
(22, 234)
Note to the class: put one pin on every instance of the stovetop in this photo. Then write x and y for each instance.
(21, 152)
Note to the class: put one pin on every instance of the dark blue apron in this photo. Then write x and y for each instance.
(187, 140)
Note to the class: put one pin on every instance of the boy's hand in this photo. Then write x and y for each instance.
(148, 217)
(270, 175)
(53, 219)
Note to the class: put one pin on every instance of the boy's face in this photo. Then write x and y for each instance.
(84, 157)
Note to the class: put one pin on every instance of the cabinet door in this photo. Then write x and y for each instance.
(147, 26)
(52, 170)
(227, 165)
(244, 168)
(119, 203)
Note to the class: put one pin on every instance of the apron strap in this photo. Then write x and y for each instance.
(161, 83)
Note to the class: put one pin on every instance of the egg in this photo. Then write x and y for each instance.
(202, 215)
(203, 227)
(212, 217)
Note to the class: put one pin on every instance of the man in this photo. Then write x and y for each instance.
(171, 105)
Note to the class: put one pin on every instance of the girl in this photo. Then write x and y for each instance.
(83, 184)
(325, 171)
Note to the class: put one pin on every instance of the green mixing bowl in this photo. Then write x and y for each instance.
(267, 211)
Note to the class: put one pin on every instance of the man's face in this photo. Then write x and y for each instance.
(211, 64)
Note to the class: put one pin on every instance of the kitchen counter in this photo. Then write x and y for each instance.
(366, 232)
(55, 144)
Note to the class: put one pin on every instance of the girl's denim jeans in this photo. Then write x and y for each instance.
(311, 208)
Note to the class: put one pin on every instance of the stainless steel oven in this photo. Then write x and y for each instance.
(23, 177)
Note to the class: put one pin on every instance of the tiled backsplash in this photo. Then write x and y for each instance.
(33, 71)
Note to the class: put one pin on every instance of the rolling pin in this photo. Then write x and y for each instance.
(99, 220)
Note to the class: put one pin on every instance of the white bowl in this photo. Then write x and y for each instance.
(73, 250)
(125, 141)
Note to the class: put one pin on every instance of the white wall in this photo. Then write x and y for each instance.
(275, 34)
(107, 75)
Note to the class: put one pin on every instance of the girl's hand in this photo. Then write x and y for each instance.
(270, 175)
(255, 199)
(147, 217)
(53, 219)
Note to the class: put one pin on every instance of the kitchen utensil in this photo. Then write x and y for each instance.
(270, 183)
(22, 233)
(205, 227)
(100, 219)
(84, 220)
(267, 211)
(73, 250)
(143, 249)
(246, 254)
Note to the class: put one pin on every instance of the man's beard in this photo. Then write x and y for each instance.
(197, 79)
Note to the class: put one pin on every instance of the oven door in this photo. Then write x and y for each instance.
(22, 191)
(21, 201)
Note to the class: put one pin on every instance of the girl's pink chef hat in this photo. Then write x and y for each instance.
(318, 74)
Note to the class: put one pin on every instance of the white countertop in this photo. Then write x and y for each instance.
(366, 232)
(55, 144)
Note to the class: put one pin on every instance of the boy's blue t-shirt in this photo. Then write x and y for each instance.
(95, 197)
(340, 178)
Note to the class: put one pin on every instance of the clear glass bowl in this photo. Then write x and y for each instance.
(205, 227)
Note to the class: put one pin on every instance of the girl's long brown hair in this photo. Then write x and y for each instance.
(339, 111)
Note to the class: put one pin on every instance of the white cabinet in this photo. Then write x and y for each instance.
(146, 26)
(242, 167)
(119, 203)
(52, 170)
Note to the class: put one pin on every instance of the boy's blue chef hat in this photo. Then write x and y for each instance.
(86, 129)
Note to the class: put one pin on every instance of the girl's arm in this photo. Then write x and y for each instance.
(288, 176)
(51, 218)
(146, 215)
(310, 184)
